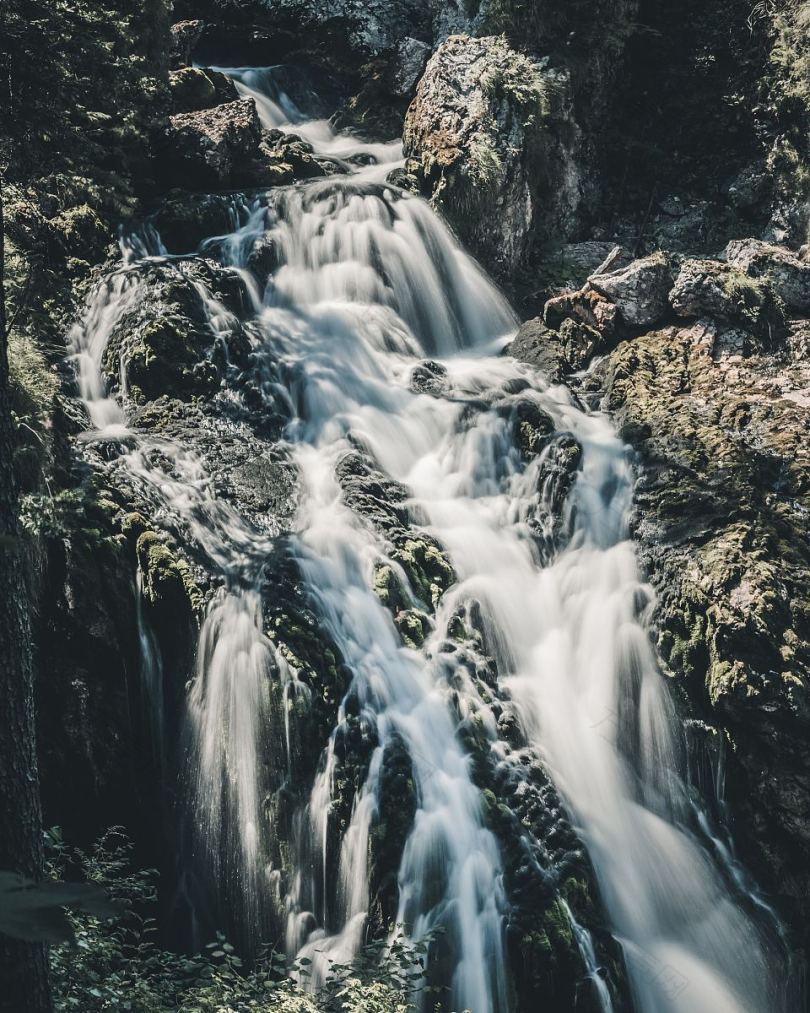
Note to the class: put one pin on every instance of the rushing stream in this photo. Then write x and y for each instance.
(367, 284)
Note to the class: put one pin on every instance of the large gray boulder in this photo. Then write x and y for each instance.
(639, 291)
(709, 288)
(476, 133)
(787, 275)
(213, 145)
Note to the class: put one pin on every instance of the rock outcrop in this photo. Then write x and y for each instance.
(712, 289)
(211, 146)
(194, 88)
(721, 506)
(718, 412)
(475, 133)
(639, 291)
(786, 274)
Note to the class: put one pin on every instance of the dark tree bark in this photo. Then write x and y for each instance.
(24, 984)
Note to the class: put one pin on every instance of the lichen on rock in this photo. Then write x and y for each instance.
(475, 128)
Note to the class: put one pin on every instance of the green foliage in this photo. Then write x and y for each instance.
(79, 93)
(119, 965)
(515, 77)
(789, 94)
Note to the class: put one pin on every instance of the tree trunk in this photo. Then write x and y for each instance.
(24, 984)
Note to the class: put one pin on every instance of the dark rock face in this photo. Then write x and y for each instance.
(194, 89)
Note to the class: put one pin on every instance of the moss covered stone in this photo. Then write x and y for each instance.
(167, 578)
(165, 343)
(721, 508)
(429, 571)
(473, 131)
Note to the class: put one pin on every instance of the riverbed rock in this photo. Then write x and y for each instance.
(639, 291)
(475, 128)
(183, 220)
(709, 288)
(542, 348)
(212, 146)
(164, 343)
(785, 272)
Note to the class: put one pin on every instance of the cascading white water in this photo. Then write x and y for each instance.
(367, 283)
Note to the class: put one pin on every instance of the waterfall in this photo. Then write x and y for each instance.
(367, 284)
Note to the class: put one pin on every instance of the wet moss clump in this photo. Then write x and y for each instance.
(168, 581)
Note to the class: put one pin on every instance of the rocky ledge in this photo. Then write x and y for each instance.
(705, 365)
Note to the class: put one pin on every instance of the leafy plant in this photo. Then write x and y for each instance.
(119, 965)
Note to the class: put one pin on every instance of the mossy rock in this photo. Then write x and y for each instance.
(168, 582)
(81, 232)
(193, 88)
(429, 571)
(165, 343)
(388, 587)
(414, 627)
(185, 219)
(532, 427)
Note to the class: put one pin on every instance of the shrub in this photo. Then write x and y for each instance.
(117, 964)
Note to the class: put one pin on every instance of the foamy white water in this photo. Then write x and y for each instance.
(368, 283)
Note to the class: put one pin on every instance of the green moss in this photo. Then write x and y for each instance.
(428, 569)
(388, 588)
(81, 232)
(485, 165)
(414, 627)
(514, 78)
(167, 579)
(789, 93)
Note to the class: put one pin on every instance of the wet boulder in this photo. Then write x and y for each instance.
(167, 578)
(185, 219)
(213, 146)
(193, 89)
(639, 291)
(429, 571)
(475, 131)
(294, 154)
(587, 307)
(786, 274)
(164, 342)
(428, 377)
(709, 288)
(541, 348)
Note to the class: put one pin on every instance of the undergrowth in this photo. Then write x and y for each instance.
(118, 964)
